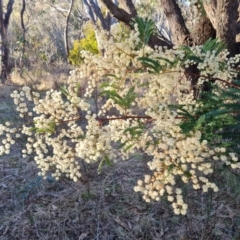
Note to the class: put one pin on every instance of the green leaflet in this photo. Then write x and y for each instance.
(106, 161)
(49, 129)
(146, 28)
(200, 122)
(64, 91)
(152, 65)
(213, 45)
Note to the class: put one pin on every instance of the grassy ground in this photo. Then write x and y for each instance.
(104, 206)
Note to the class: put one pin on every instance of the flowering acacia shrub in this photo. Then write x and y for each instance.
(137, 98)
(88, 43)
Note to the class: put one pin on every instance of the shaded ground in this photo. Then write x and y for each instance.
(104, 206)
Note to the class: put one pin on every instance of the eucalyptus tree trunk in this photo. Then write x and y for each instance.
(226, 22)
(4, 50)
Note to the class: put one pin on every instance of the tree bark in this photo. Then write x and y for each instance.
(210, 8)
(226, 23)
(180, 33)
(224, 15)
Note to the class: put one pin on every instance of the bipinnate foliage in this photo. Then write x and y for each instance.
(143, 101)
(88, 43)
(146, 28)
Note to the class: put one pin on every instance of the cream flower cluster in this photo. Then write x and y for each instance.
(177, 157)
(54, 133)
(54, 106)
(71, 127)
(58, 160)
(7, 136)
(96, 143)
(21, 100)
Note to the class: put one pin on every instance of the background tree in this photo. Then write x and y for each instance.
(37, 38)
(190, 22)
(212, 19)
(39, 29)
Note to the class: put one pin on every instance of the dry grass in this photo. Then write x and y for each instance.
(38, 79)
(104, 206)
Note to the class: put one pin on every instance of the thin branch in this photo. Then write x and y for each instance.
(22, 14)
(66, 29)
(23, 29)
(106, 119)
